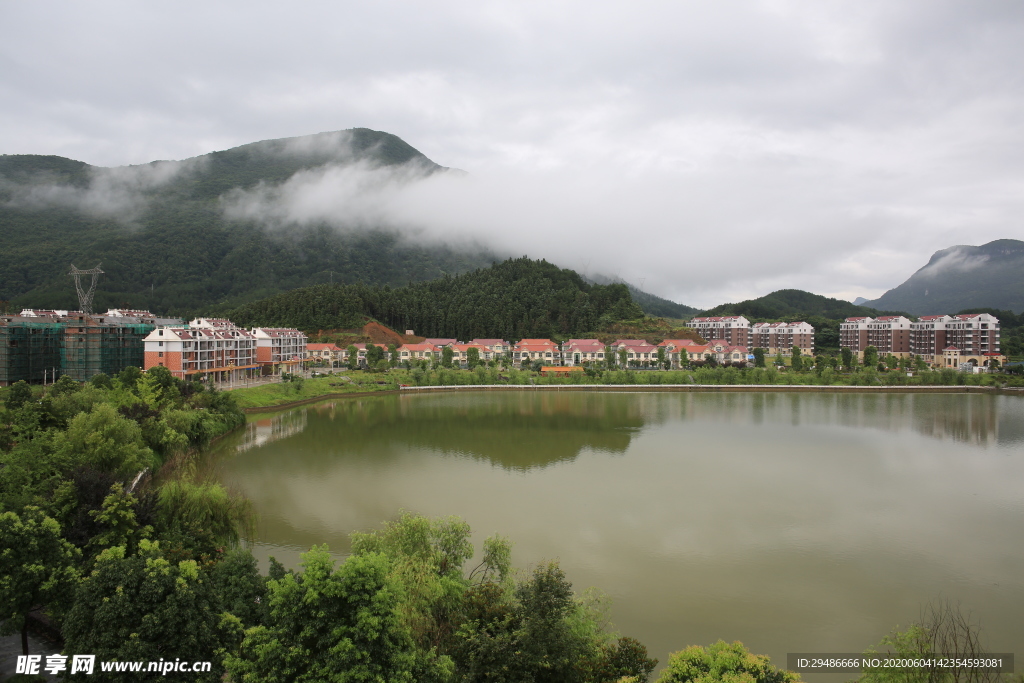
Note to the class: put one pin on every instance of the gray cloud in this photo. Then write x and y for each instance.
(754, 144)
(120, 193)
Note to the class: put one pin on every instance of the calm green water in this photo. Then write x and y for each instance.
(792, 522)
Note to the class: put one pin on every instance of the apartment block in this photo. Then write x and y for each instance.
(735, 329)
(279, 347)
(780, 337)
(222, 352)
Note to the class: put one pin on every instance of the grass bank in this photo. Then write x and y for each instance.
(301, 391)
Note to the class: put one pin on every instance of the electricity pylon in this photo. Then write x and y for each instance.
(84, 296)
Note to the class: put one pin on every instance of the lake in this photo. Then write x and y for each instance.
(792, 522)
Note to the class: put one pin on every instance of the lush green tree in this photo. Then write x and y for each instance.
(353, 357)
(329, 624)
(609, 357)
(240, 588)
(18, 395)
(38, 568)
(662, 363)
(104, 440)
(729, 663)
(820, 363)
(758, 358)
(142, 607)
(847, 358)
(472, 357)
(796, 359)
(622, 357)
(374, 354)
(393, 355)
(870, 357)
(447, 354)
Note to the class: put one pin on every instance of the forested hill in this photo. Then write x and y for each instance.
(990, 275)
(163, 239)
(793, 304)
(517, 299)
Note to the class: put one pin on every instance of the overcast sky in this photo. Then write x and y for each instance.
(713, 150)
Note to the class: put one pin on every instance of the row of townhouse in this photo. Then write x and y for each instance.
(218, 348)
(574, 352)
(775, 338)
(942, 340)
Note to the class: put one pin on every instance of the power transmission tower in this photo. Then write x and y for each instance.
(85, 297)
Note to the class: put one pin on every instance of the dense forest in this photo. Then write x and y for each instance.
(164, 240)
(516, 299)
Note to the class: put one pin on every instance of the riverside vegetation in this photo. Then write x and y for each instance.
(134, 568)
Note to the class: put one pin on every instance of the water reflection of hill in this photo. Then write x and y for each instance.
(525, 430)
(511, 430)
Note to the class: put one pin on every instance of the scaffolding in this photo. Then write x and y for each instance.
(30, 350)
(91, 347)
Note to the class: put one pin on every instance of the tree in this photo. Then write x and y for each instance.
(942, 628)
(38, 568)
(329, 624)
(622, 357)
(374, 354)
(393, 355)
(759, 358)
(729, 663)
(19, 394)
(847, 358)
(447, 354)
(662, 363)
(609, 357)
(135, 607)
(820, 364)
(870, 357)
(106, 441)
(353, 356)
(472, 357)
(797, 360)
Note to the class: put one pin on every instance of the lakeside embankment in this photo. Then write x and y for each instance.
(282, 395)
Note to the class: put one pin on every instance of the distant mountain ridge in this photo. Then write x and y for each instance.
(960, 277)
(793, 305)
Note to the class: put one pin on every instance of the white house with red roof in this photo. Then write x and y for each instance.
(724, 352)
(328, 353)
(676, 350)
(639, 352)
(543, 350)
(498, 347)
(580, 351)
(417, 352)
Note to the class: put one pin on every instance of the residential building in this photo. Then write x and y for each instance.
(928, 337)
(780, 337)
(853, 334)
(327, 353)
(639, 352)
(579, 351)
(222, 353)
(440, 343)
(726, 353)
(536, 349)
(676, 350)
(975, 334)
(890, 334)
(498, 347)
(735, 329)
(279, 348)
(417, 352)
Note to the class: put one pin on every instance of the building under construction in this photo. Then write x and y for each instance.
(43, 345)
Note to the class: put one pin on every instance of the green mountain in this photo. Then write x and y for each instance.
(650, 303)
(792, 304)
(515, 299)
(961, 277)
(165, 242)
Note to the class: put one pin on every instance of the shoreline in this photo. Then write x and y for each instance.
(646, 388)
